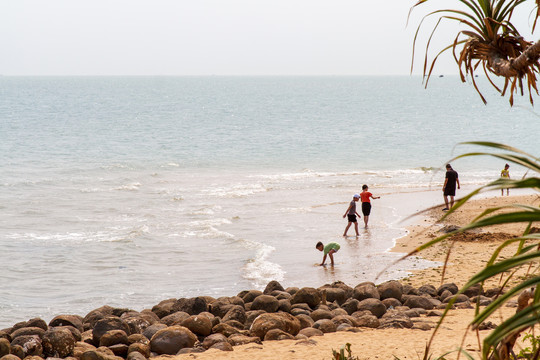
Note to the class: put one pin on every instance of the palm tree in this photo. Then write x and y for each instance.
(491, 40)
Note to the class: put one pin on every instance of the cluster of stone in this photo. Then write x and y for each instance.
(177, 326)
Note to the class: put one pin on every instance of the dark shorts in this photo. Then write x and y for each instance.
(450, 192)
(366, 208)
(352, 218)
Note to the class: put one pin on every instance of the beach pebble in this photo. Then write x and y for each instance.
(106, 324)
(223, 346)
(325, 325)
(171, 339)
(307, 295)
(113, 337)
(192, 306)
(365, 291)
(390, 289)
(213, 339)
(267, 303)
(164, 308)
(67, 320)
(450, 287)
(273, 286)
(58, 342)
(310, 331)
(144, 349)
(277, 334)
(375, 306)
(176, 318)
(239, 339)
(416, 301)
(283, 321)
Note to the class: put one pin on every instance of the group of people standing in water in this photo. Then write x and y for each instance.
(451, 182)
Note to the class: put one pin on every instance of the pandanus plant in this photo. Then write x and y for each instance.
(491, 40)
(499, 344)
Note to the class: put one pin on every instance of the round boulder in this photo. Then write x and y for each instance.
(266, 303)
(365, 291)
(390, 289)
(283, 321)
(375, 306)
(172, 339)
(307, 295)
(58, 342)
(199, 325)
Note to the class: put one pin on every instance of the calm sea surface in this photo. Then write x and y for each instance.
(129, 190)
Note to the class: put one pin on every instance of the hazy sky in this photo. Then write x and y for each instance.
(204, 37)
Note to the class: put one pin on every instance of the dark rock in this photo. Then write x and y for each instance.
(31, 344)
(284, 305)
(5, 347)
(490, 293)
(267, 303)
(283, 321)
(307, 295)
(113, 337)
(67, 320)
(239, 339)
(456, 298)
(250, 316)
(193, 350)
(101, 353)
(321, 314)
(10, 357)
(277, 334)
(445, 294)
(375, 306)
(58, 342)
(391, 302)
(305, 321)
(222, 305)
(390, 289)
(135, 355)
(299, 311)
(428, 290)
(106, 324)
(138, 338)
(137, 322)
(119, 349)
(225, 329)
(144, 349)
(309, 332)
(344, 319)
(422, 326)
(152, 330)
(474, 290)
(40, 323)
(234, 323)
(363, 320)
(80, 348)
(199, 325)
(325, 325)
(192, 306)
(272, 286)
(416, 301)
(398, 321)
(409, 290)
(28, 331)
(213, 339)
(251, 295)
(350, 306)
(164, 308)
(175, 318)
(365, 291)
(223, 346)
(292, 290)
(171, 339)
(18, 351)
(450, 287)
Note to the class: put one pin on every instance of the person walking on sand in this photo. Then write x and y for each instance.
(351, 215)
(449, 187)
(505, 174)
(330, 249)
(366, 203)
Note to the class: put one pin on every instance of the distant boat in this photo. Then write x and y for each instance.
(441, 75)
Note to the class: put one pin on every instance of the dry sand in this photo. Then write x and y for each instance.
(468, 256)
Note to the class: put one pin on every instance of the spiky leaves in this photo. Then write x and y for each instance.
(490, 41)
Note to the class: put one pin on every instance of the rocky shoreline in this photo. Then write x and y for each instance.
(193, 325)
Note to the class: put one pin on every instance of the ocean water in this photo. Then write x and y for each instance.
(129, 190)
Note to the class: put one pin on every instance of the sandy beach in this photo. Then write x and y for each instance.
(469, 253)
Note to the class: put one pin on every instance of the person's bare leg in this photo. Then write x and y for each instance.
(331, 255)
(451, 202)
(366, 219)
(356, 228)
(347, 229)
(446, 201)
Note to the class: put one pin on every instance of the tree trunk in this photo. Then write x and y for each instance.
(514, 67)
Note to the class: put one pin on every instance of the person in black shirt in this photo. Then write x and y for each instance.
(449, 187)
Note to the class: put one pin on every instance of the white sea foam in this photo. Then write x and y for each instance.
(129, 187)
